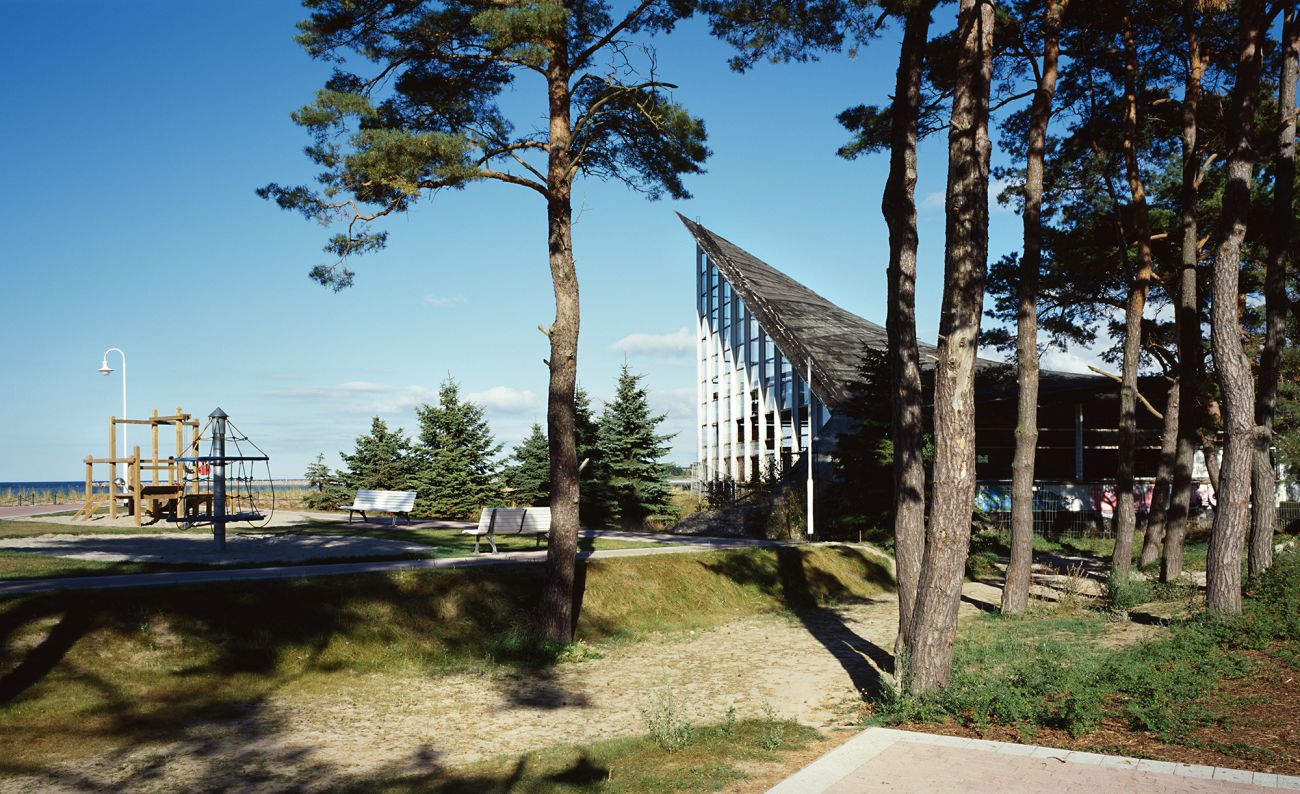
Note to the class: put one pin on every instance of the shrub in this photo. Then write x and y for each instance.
(664, 721)
(1125, 592)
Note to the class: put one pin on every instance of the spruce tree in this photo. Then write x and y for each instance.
(325, 489)
(457, 473)
(593, 477)
(632, 453)
(528, 476)
(381, 461)
(864, 454)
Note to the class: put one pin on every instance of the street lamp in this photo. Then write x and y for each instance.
(106, 370)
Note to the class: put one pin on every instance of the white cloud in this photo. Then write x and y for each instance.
(679, 341)
(933, 201)
(1068, 361)
(362, 397)
(443, 301)
(996, 187)
(506, 400)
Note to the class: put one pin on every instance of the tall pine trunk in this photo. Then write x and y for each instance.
(1159, 513)
(1264, 492)
(934, 618)
(1223, 563)
(1125, 514)
(1015, 594)
(561, 553)
(1188, 313)
(899, 208)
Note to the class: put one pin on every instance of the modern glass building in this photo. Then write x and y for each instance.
(777, 363)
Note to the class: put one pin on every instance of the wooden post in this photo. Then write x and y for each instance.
(137, 488)
(112, 467)
(194, 449)
(178, 468)
(153, 432)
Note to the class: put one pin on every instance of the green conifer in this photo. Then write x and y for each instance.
(528, 476)
(382, 460)
(325, 489)
(632, 453)
(457, 474)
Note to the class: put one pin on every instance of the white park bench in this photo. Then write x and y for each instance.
(394, 502)
(498, 521)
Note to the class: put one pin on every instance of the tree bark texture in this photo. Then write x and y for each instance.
(934, 618)
(1125, 515)
(1187, 313)
(561, 553)
(1264, 492)
(1223, 564)
(1159, 513)
(899, 208)
(1015, 593)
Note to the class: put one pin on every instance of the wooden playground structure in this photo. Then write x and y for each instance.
(169, 486)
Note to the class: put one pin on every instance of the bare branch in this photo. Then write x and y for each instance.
(600, 43)
(1145, 402)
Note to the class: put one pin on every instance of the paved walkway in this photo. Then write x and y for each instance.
(672, 544)
(882, 759)
(26, 511)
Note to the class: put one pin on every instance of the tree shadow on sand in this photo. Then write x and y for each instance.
(802, 590)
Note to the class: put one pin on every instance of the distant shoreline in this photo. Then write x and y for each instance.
(63, 485)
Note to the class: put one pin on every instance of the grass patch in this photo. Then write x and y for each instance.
(23, 565)
(717, 756)
(992, 543)
(1042, 670)
(82, 673)
(31, 529)
(447, 542)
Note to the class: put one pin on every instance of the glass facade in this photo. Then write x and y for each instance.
(755, 412)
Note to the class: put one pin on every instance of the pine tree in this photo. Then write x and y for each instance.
(528, 477)
(632, 453)
(382, 460)
(457, 473)
(437, 102)
(325, 489)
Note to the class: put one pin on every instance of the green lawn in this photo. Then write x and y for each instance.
(715, 756)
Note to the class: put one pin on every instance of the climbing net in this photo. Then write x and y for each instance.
(250, 496)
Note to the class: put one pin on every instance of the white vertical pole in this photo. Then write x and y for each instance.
(812, 426)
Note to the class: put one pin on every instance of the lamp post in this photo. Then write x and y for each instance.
(812, 430)
(106, 370)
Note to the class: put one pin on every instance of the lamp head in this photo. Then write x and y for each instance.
(104, 368)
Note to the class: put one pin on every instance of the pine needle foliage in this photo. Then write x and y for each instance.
(457, 471)
(382, 460)
(632, 453)
(325, 489)
(528, 474)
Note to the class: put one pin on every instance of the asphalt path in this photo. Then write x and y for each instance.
(27, 511)
(671, 544)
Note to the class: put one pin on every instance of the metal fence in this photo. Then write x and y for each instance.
(1077, 510)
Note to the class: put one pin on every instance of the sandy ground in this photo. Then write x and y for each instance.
(196, 546)
(810, 668)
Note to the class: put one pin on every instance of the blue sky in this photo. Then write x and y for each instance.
(135, 134)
